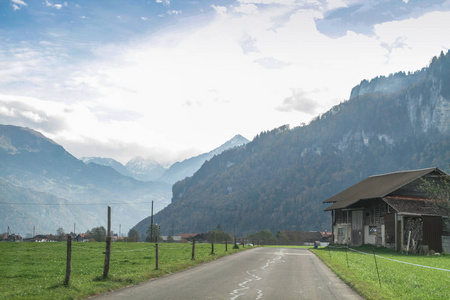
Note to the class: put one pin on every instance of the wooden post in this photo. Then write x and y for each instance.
(107, 257)
(226, 245)
(212, 247)
(108, 246)
(151, 226)
(409, 238)
(375, 258)
(193, 249)
(108, 233)
(157, 256)
(69, 260)
(346, 255)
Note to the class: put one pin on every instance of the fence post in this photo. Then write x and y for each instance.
(193, 249)
(212, 247)
(226, 245)
(69, 260)
(108, 246)
(346, 255)
(107, 257)
(375, 257)
(157, 256)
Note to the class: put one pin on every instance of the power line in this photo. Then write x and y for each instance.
(129, 203)
(73, 204)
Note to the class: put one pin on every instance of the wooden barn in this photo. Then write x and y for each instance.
(391, 210)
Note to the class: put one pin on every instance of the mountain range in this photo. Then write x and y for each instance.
(44, 186)
(279, 180)
(150, 170)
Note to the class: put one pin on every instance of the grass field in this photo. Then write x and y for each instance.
(398, 280)
(37, 270)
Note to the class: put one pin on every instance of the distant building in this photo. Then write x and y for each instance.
(187, 236)
(12, 238)
(390, 210)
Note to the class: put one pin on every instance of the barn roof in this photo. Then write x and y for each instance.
(405, 206)
(377, 186)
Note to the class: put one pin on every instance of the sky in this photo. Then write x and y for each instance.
(167, 80)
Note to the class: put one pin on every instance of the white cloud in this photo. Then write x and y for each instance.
(164, 2)
(198, 85)
(414, 42)
(17, 4)
(174, 12)
(246, 9)
(57, 6)
(299, 101)
(219, 9)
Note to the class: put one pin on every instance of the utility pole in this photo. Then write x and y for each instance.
(151, 226)
(120, 228)
(74, 225)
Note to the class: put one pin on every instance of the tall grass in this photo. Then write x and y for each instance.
(398, 280)
(37, 270)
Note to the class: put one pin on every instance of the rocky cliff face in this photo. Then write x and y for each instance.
(425, 92)
(393, 83)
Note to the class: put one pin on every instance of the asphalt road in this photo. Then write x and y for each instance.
(261, 273)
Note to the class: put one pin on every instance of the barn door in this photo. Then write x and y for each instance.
(357, 228)
(432, 232)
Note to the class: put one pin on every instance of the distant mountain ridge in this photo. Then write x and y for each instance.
(150, 170)
(29, 160)
(188, 167)
(47, 187)
(145, 169)
(279, 180)
(109, 162)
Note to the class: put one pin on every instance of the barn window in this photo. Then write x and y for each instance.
(372, 230)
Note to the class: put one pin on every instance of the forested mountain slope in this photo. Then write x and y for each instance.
(279, 180)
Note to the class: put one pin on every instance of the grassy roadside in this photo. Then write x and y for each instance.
(398, 280)
(37, 270)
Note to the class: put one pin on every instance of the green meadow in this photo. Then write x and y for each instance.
(398, 280)
(37, 270)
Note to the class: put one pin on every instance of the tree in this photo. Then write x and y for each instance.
(219, 236)
(282, 239)
(156, 234)
(439, 192)
(99, 234)
(170, 239)
(60, 233)
(133, 235)
(264, 236)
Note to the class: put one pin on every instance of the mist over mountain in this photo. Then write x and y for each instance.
(29, 160)
(47, 187)
(279, 180)
(38, 211)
